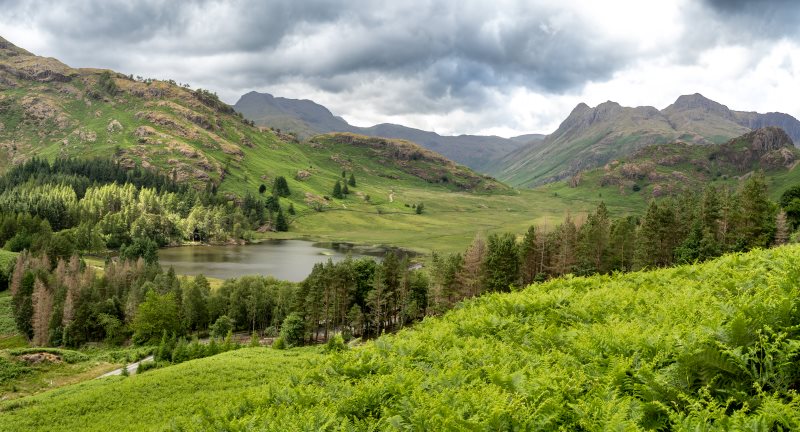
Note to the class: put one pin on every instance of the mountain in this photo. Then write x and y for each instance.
(49, 109)
(306, 119)
(591, 137)
(669, 169)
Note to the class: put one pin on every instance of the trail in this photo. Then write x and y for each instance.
(131, 368)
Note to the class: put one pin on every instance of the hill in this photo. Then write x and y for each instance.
(710, 346)
(668, 169)
(51, 110)
(591, 137)
(307, 118)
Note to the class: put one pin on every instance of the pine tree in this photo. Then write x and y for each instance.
(352, 181)
(337, 190)
(345, 190)
(758, 213)
(420, 208)
(280, 222)
(501, 267)
(42, 311)
(529, 257)
(262, 188)
(280, 187)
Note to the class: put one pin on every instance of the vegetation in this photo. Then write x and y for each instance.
(705, 346)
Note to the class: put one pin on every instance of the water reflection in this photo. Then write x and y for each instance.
(284, 259)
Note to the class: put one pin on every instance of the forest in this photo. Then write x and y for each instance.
(60, 300)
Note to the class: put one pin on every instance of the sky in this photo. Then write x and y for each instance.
(498, 67)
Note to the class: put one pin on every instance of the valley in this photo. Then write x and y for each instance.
(282, 269)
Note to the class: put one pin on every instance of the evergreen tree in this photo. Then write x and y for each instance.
(758, 213)
(280, 222)
(529, 257)
(501, 267)
(262, 188)
(337, 190)
(291, 209)
(280, 187)
(352, 181)
(420, 208)
(345, 190)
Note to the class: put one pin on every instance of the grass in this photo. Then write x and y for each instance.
(141, 401)
(665, 349)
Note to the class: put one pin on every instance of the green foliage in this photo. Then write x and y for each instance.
(419, 208)
(335, 344)
(262, 188)
(293, 330)
(352, 180)
(68, 356)
(281, 225)
(501, 268)
(144, 248)
(157, 314)
(280, 187)
(699, 347)
(337, 190)
(222, 326)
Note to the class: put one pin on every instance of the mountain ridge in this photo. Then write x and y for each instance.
(590, 137)
(307, 118)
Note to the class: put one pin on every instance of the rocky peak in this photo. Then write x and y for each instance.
(9, 49)
(698, 102)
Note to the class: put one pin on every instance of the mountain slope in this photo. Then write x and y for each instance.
(699, 347)
(591, 137)
(50, 110)
(306, 119)
(669, 169)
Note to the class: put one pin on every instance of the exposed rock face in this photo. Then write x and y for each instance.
(768, 138)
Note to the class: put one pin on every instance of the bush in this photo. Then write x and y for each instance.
(335, 344)
(146, 366)
(68, 356)
(278, 343)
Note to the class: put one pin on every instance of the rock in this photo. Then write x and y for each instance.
(302, 175)
(144, 131)
(39, 358)
(114, 126)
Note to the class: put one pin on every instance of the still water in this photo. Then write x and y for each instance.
(284, 259)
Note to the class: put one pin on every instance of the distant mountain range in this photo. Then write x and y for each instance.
(307, 118)
(591, 137)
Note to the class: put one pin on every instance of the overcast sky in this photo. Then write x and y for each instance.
(489, 67)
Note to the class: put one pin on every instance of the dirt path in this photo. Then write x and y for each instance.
(131, 368)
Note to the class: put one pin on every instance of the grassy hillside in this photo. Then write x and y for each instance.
(699, 347)
(50, 110)
(668, 169)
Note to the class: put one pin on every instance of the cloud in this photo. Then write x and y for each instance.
(453, 66)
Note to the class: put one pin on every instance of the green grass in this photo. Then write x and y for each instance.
(697, 347)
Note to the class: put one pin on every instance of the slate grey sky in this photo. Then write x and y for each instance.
(504, 67)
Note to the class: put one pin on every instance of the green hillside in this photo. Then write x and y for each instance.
(671, 169)
(699, 347)
(591, 137)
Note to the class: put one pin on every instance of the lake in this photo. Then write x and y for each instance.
(290, 260)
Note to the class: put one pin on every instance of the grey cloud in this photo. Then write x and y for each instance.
(758, 19)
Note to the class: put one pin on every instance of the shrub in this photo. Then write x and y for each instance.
(293, 330)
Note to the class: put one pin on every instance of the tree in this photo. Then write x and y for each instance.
(337, 190)
(221, 327)
(471, 274)
(280, 187)
(345, 190)
(293, 330)
(42, 311)
(158, 313)
(781, 229)
(352, 181)
(195, 305)
(758, 213)
(528, 256)
(262, 188)
(140, 248)
(501, 267)
(420, 208)
(280, 222)
(291, 209)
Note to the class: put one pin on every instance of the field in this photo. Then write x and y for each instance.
(700, 347)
